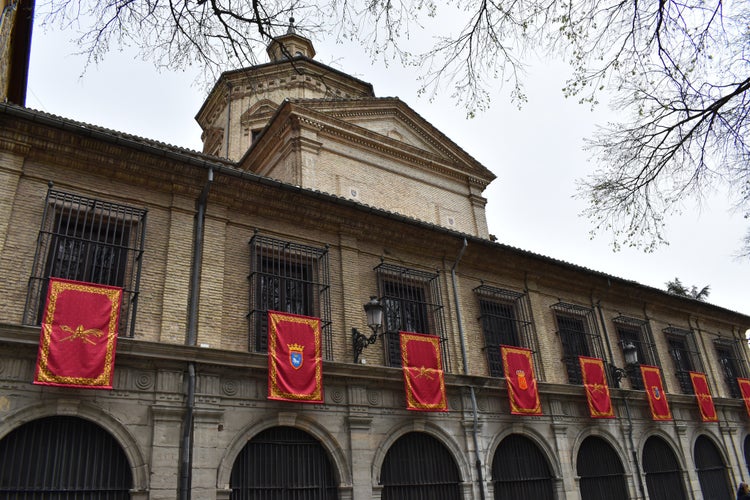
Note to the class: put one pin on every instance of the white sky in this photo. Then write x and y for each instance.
(536, 153)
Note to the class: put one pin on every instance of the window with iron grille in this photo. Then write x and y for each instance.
(713, 475)
(600, 471)
(418, 466)
(520, 469)
(505, 320)
(638, 333)
(287, 277)
(411, 303)
(731, 365)
(684, 355)
(90, 240)
(579, 336)
(662, 470)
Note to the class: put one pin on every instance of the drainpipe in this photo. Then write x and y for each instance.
(186, 446)
(475, 429)
(627, 407)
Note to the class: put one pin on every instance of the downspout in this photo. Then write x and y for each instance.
(475, 428)
(186, 446)
(627, 407)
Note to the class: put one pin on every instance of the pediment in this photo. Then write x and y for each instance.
(390, 121)
(261, 109)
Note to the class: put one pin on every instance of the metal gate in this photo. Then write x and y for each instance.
(63, 458)
(663, 474)
(602, 476)
(712, 471)
(419, 467)
(520, 470)
(283, 463)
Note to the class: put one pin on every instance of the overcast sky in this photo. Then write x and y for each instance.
(536, 153)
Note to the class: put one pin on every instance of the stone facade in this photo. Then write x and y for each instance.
(409, 180)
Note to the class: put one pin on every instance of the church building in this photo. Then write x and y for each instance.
(312, 308)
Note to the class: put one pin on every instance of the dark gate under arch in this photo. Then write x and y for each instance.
(663, 474)
(63, 457)
(283, 463)
(600, 470)
(419, 467)
(521, 470)
(712, 471)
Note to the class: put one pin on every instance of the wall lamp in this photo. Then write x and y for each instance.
(631, 358)
(374, 311)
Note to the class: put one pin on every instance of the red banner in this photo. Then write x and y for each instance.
(79, 335)
(597, 390)
(422, 364)
(703, 395)
(295, 365)
(657, 398)
(519, 377)
(744, 384)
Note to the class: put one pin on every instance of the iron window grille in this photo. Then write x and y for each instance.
(662, 470)
(684, 353)
(731, 364)
(411, 303)
(287, 277)
(505, 316)
(579, 335)
(638, 333)
(89, 240)
(600, 471)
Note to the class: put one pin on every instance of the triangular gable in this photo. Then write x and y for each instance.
(393, 120)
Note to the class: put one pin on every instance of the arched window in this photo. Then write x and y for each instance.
(283, 463)
(663, 475)
(520, 470)
(67, 454)
(747, 453)
(712, 471)
(419, 467)
(602, 476)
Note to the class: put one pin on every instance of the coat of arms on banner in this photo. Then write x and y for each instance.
(296, 355)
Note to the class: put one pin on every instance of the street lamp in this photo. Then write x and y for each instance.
(630, 351)
(374, 312)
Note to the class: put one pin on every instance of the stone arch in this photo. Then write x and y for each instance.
(433, 430)
(610, 438)
(541, 441)
(301, 422)
(94, 414)
(673, 443)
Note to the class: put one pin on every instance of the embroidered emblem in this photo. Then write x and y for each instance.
(295, 355)
(657, 394)
(80, 333)
(521, 377)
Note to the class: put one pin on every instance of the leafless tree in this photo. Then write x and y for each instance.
(678, 69)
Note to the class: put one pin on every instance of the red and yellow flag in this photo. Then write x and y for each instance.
(295, 364)
(422, 364)
(703, 395)
(519, 377)
(744, 384)
(597, 390)
(657, 398)
(79, 335)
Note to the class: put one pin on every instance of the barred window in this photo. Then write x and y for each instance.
(579, 336)
(411, 303)
(287, 277)
(505, 320)
(90, 240)
(638, 333)
(731, 365)
(684, 355)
